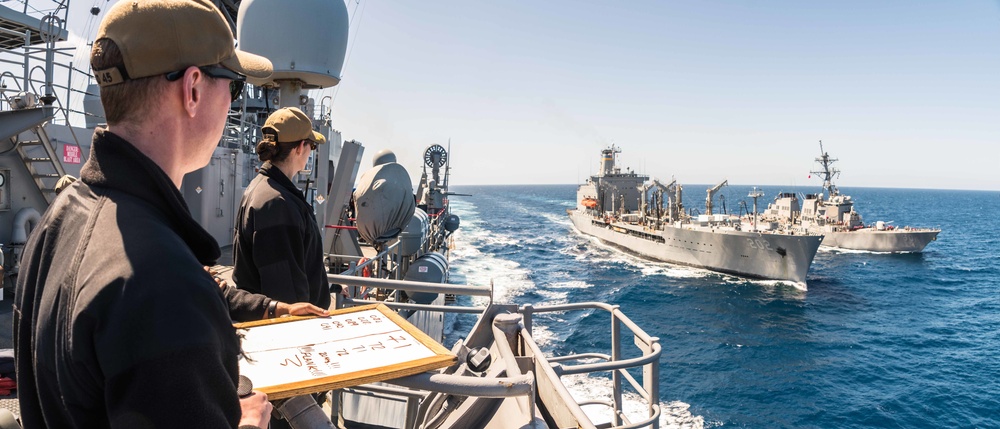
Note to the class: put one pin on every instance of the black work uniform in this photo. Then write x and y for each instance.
(116, 324)
(277, 247)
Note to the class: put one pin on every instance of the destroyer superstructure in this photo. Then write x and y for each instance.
(502, 380)
(833, 216)
(646, 217)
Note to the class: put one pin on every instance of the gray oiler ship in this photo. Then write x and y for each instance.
(613, 206)
(834, 217)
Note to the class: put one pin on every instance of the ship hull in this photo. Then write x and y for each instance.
(880, 241)
(747, 254)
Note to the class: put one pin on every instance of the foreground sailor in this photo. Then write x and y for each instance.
(116, 323)
(277, 248)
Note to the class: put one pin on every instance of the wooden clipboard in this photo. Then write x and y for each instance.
(293, 356)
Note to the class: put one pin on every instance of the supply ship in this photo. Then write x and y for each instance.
(833, 216)
(648, 218)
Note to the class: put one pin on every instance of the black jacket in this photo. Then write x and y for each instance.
(116, 324)
(277, 248)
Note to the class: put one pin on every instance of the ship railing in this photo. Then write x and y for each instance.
(545, 383)
(32, 60)
(649, 350)
(388, 263)
(410, 286)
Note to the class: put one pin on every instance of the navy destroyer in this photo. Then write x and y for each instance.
(389, 246)
(627, 210)
(833, 216)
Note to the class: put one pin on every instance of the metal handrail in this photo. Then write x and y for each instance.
(650, 351)
(649, 360)
(648, 390)
(410, 286)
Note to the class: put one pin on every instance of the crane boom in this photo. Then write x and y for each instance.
(711, 193)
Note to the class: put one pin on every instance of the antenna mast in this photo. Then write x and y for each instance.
(827, 172)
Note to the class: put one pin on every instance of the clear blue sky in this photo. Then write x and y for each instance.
(905, 94)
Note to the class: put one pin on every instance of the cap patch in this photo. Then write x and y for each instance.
(108, 77)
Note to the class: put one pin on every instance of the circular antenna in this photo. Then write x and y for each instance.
(49, 28)
(436, 156)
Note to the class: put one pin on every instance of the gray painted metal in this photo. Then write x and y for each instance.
(18, 29)
(14, 122)
(871, 239)
(213, 192)
(340, 195)
(749, 254)
(507, 332)
(612, 206)
(833, 216)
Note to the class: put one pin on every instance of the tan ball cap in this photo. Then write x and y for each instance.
(291, 125)
(161, 36)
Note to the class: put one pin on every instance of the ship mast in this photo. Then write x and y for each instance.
(755, 194)
(608, 160)
(827, 172)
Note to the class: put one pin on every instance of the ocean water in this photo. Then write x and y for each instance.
(877, 340)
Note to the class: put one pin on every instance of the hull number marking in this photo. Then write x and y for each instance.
(759, 244)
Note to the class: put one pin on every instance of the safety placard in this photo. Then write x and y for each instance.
(71, 154)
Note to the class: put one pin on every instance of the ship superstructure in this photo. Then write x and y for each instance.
(832, 215)
(647, 217)
(502, 379)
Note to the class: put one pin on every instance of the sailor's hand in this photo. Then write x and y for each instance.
(215, 276)
(256, 410)
(336, 288)
(299, 309)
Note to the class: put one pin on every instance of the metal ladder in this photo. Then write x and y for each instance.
(45, 168)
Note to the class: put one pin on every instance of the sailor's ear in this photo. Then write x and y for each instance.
(194, 89)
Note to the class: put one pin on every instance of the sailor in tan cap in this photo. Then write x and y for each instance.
(116, 323)
(277, 248)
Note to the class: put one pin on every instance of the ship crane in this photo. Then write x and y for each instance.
(657, 197)
(677, 205)
(660, 190)
(606, 189)
(711, 193)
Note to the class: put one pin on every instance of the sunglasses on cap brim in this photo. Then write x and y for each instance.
(236, 80)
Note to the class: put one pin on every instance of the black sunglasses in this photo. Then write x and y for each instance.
(236, 80)
(312, 144)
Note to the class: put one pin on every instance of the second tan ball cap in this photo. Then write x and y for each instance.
(291, 125)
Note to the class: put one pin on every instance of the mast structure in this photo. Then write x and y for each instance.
(608, 160)
(755, 194)
(827, 172)
(447, 166)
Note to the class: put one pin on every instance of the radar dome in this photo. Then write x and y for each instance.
(305, 40)
(383, 156)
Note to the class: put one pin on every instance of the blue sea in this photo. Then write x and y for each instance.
(877, 340)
